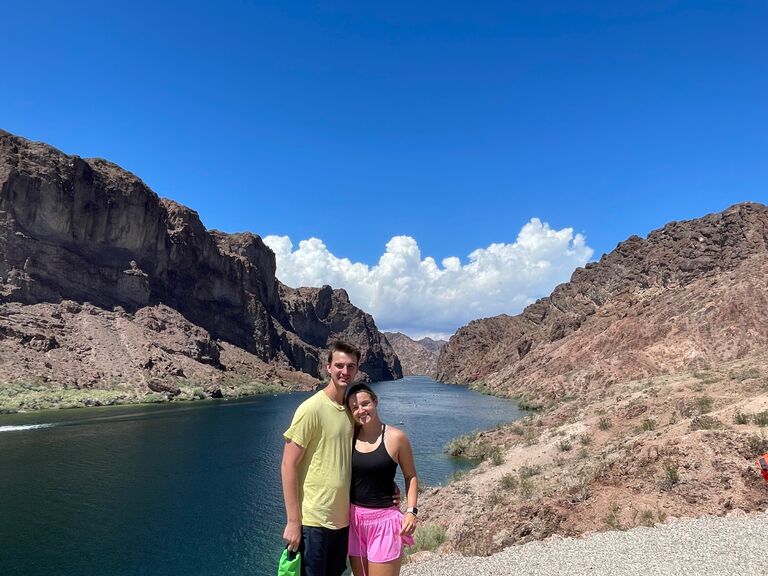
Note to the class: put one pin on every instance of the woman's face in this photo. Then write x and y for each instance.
(363, 407)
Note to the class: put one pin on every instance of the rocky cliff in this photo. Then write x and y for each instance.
(690, 295)
(87, 231)
(418, 357)
(649, 373)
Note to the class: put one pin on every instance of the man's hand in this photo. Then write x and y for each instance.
(292, 536)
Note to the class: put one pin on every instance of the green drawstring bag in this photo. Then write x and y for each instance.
(290, 563)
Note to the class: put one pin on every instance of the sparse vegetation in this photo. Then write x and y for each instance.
(740, 418)
(757, 444)
(613, 519)
(704, 404)
(647, 518)
(509, 482)
(585, 439)
(761, 418)
(604, 423)
(427, 537)
(648, 425)
(565, 445)
(529, 471)
(494, 499)
(457, 475)
(671, 476)
(526, 488)
(705, 423)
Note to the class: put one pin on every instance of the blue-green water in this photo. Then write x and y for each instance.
(187, 489)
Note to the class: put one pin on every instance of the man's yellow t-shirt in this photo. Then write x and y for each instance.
(324, 429)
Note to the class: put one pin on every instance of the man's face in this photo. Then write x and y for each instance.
(343, 368)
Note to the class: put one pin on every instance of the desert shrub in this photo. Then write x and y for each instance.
(583, 453)
(604, 423)
(528, 471)
(647, 518)
(648, 425)
(704, 404)
(509, 482)
(428, 537)
(705, 423)
(565, 445)
(494, 499)
(526, 488)
(585, 439)
(457, 475)
(761, 418)
(459, 446)
(518, 430)
(671, 475)
(494, 455)
(529, 404)
(757, 444)
(612, 519)
(740, 418)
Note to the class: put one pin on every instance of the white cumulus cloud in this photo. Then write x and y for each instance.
(407, 293)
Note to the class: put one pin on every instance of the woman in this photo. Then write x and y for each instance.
(377, 529)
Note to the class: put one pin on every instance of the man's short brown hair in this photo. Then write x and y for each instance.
(340, 346)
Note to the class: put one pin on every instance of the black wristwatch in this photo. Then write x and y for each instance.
(413, 510)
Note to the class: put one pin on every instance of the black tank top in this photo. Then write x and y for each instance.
(373, 477)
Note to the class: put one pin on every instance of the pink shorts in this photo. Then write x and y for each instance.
(375, 533)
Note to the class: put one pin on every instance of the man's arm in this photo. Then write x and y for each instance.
(289, 471)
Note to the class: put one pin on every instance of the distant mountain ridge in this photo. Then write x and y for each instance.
(418, 357)
(691, 294)
(90, 233)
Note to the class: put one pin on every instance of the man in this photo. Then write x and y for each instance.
(316, 470)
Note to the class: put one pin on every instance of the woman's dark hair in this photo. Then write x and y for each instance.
(355, 388)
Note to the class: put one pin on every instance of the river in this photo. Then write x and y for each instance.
(185, 489)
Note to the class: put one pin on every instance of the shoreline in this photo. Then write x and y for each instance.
(31, 398)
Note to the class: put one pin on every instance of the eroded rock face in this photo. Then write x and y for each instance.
(691, 294)
(87, 231)
(418, 357)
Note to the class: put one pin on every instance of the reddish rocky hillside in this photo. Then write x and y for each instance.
(418, 357)
(650, 374)
(691, 295)
(86, 246)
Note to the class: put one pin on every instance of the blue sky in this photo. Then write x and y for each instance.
(453, 124)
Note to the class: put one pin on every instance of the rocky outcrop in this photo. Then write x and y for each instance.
(87, 231)
(418, 357)
(691, 294)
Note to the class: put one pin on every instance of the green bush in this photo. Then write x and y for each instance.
(671, 475)
(509, 482)
(761, 418)
(648, 425)
(428, 537)
(528, 471)
(704, 404)
(565, 445)
(740, 418)
(705, 423)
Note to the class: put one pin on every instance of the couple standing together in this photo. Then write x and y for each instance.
(338, 471)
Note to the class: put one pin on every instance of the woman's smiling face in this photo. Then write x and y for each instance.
(362, 407)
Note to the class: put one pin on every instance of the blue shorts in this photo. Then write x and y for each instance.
(323, 551)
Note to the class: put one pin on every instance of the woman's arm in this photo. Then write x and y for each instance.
(404, 458)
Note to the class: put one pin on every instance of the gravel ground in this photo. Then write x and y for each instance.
(707, 546)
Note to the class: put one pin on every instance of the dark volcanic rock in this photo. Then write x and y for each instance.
(418, 357)
(691, 294)
(322, 315)
(88, 231)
